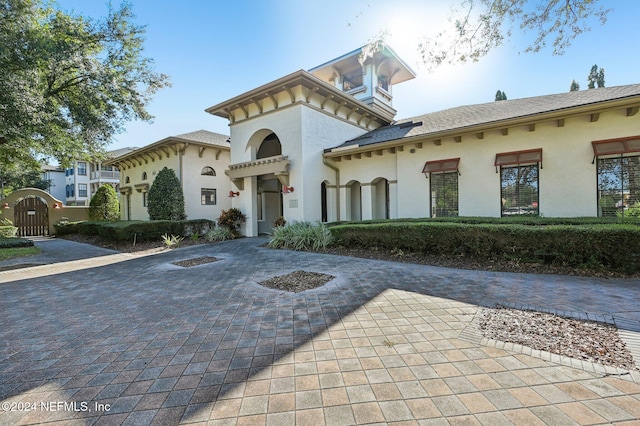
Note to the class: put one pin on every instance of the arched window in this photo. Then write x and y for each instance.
(127, 180)
(270, 147)
(144, 175)
(208, 171)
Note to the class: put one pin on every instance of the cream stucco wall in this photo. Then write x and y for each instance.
(193, 181)
(304, 133)
(567, 178)
(188, 167)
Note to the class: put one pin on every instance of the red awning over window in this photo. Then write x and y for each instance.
(519, 157)
(439, 166)
(616, 146)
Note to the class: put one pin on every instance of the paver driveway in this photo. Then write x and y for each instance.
(138, 340)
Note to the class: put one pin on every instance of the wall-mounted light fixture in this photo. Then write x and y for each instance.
(57, 206)
(6, 206)
(287, 189)
(233, 194)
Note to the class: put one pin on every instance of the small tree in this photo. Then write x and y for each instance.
(596, 77)
(574, 86)
(501, 96)
(165, 200)
(104, 204)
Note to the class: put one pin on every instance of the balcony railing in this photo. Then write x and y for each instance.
(105, 174)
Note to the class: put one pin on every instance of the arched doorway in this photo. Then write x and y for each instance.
(380, 198)
(354, 203)
(269, 192)
(31, 217)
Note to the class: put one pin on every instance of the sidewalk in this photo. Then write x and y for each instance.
(382, 343)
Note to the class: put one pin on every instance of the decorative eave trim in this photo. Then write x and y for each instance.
(312, 86)
(161, 149)
(591, 111)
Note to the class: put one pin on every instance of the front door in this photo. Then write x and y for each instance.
(269, 203)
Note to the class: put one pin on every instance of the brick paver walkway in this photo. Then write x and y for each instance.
(156, 343)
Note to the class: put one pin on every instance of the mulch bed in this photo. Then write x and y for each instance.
(297, 281)
(197, 261)
(587, 340)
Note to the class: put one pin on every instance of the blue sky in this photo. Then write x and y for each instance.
(214, 50)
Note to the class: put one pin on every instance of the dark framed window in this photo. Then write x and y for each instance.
(144, 199)
(519, 189)
(208, 196)
(444, 194)
(618, 185)
(144, 175)
(82, 168)
(208, 171)
(82, 190)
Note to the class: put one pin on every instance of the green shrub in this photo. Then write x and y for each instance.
(301, 236)
(128, 231)
(66, 228)
(171, 241)
(104, 204)
(15, 243)
(8, 231)
(611, 247)
(220, 233)
(632, 212)
(165, 200)
(511, 220)
(232, 219)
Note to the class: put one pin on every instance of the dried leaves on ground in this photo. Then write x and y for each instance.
(586, 340)
(297, 281)
(197, 261)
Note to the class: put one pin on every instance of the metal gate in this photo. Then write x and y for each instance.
(31, 217)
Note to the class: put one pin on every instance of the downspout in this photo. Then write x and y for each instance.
(334, 168)
(180, 167)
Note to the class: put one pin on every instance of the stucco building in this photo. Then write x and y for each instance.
(83, 178)
(324, 145)
(198, 158)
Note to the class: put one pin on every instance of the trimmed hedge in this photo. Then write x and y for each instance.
(512, 220)
(607, 246)
(15, 243)
(140, 230)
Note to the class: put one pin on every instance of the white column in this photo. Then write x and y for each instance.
(247, 202)
(393, 199)
(345, 203)
(366, 200)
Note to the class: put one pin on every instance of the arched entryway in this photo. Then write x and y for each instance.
(354, 200)
(31, 217)
(380, 198)
(269, 189)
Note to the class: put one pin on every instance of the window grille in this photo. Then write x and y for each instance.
(519, 190)
(208, 196)
(618, 185)
(444, 194)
